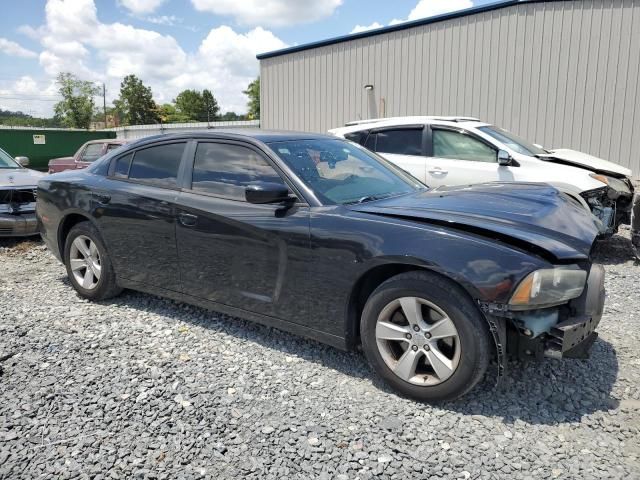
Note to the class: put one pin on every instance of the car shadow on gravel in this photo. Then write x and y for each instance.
(20, 244)
(547, 392)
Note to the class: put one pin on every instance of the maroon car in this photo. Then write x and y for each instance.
(86, 155)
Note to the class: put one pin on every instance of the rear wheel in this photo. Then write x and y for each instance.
(425, 337)
(88, 265)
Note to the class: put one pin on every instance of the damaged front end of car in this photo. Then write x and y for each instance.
(611, 204)
(18, 212)
(553, 313)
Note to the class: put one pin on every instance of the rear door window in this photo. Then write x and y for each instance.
(402, 141)
(157, 165)
(226, 169)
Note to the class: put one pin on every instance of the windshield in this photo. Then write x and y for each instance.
(7, 161)
(342, 172)
(512, 141)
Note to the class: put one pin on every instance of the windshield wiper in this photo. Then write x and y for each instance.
(370, 198)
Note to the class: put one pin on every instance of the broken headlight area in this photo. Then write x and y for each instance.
(17, 201)
(611, 207)
(562, 331)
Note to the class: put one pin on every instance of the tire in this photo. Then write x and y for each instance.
(448, 365)
(103, 286)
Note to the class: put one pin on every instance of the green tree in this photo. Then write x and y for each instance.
(212, 110)
(231, 116)
(197, 106)
(135, 103)
(75, 110)
(253, 105)
(169, 114)
(190, 104)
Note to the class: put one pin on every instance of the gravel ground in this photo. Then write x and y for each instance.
(140, 387)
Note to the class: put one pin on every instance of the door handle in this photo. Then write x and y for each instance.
(438, 171)
(187, 219)
(102, 198)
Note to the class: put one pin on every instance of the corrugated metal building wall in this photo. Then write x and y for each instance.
(560, 73)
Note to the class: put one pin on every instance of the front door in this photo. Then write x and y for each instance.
(248, 256)
(135, 211)
(460, 158)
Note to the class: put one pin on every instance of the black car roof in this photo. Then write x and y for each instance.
(264, 136)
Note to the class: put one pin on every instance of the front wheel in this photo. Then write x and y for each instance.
(88, 265)
(425, 337)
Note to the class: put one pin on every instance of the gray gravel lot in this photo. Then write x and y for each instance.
(141, 387)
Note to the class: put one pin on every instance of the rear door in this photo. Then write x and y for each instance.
(136, 214)
(461, 158)
(253, 257)
(405, 146)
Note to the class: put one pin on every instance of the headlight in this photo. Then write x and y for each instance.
(548, 287)
(615, 183)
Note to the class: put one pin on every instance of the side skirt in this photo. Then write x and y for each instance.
(300, 330)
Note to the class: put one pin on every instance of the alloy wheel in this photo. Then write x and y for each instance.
(418, 341)
(84, 259)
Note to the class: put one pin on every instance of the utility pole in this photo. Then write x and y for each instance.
(104, 104)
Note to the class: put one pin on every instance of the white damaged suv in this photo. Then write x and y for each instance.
(442, 151)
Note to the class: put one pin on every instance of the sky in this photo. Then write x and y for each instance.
(172, 44)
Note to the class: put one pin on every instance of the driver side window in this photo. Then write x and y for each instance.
(460, 146)
(226, 170)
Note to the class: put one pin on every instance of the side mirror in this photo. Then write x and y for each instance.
(504, 159)
(24, 161)
(266, 192)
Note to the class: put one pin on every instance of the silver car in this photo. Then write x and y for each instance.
(17, 197)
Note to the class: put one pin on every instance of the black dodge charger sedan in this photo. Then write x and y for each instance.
(318, 236)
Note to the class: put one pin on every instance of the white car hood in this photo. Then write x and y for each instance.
(587, 161)
(19, 177)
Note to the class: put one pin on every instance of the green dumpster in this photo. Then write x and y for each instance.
(41, 145)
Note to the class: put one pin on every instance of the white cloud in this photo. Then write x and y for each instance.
(424, 9)
(270, 12)
(139, 7)
(169, 20)
(20, 95)
(429, 8)
(29, 31)
(364, 28)
(75, 40)
(15, 50)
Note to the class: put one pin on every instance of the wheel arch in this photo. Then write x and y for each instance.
(66, 224)
(374, 277)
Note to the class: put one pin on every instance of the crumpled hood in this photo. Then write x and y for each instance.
(19, 177)
(585, 160)
(536, 214)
